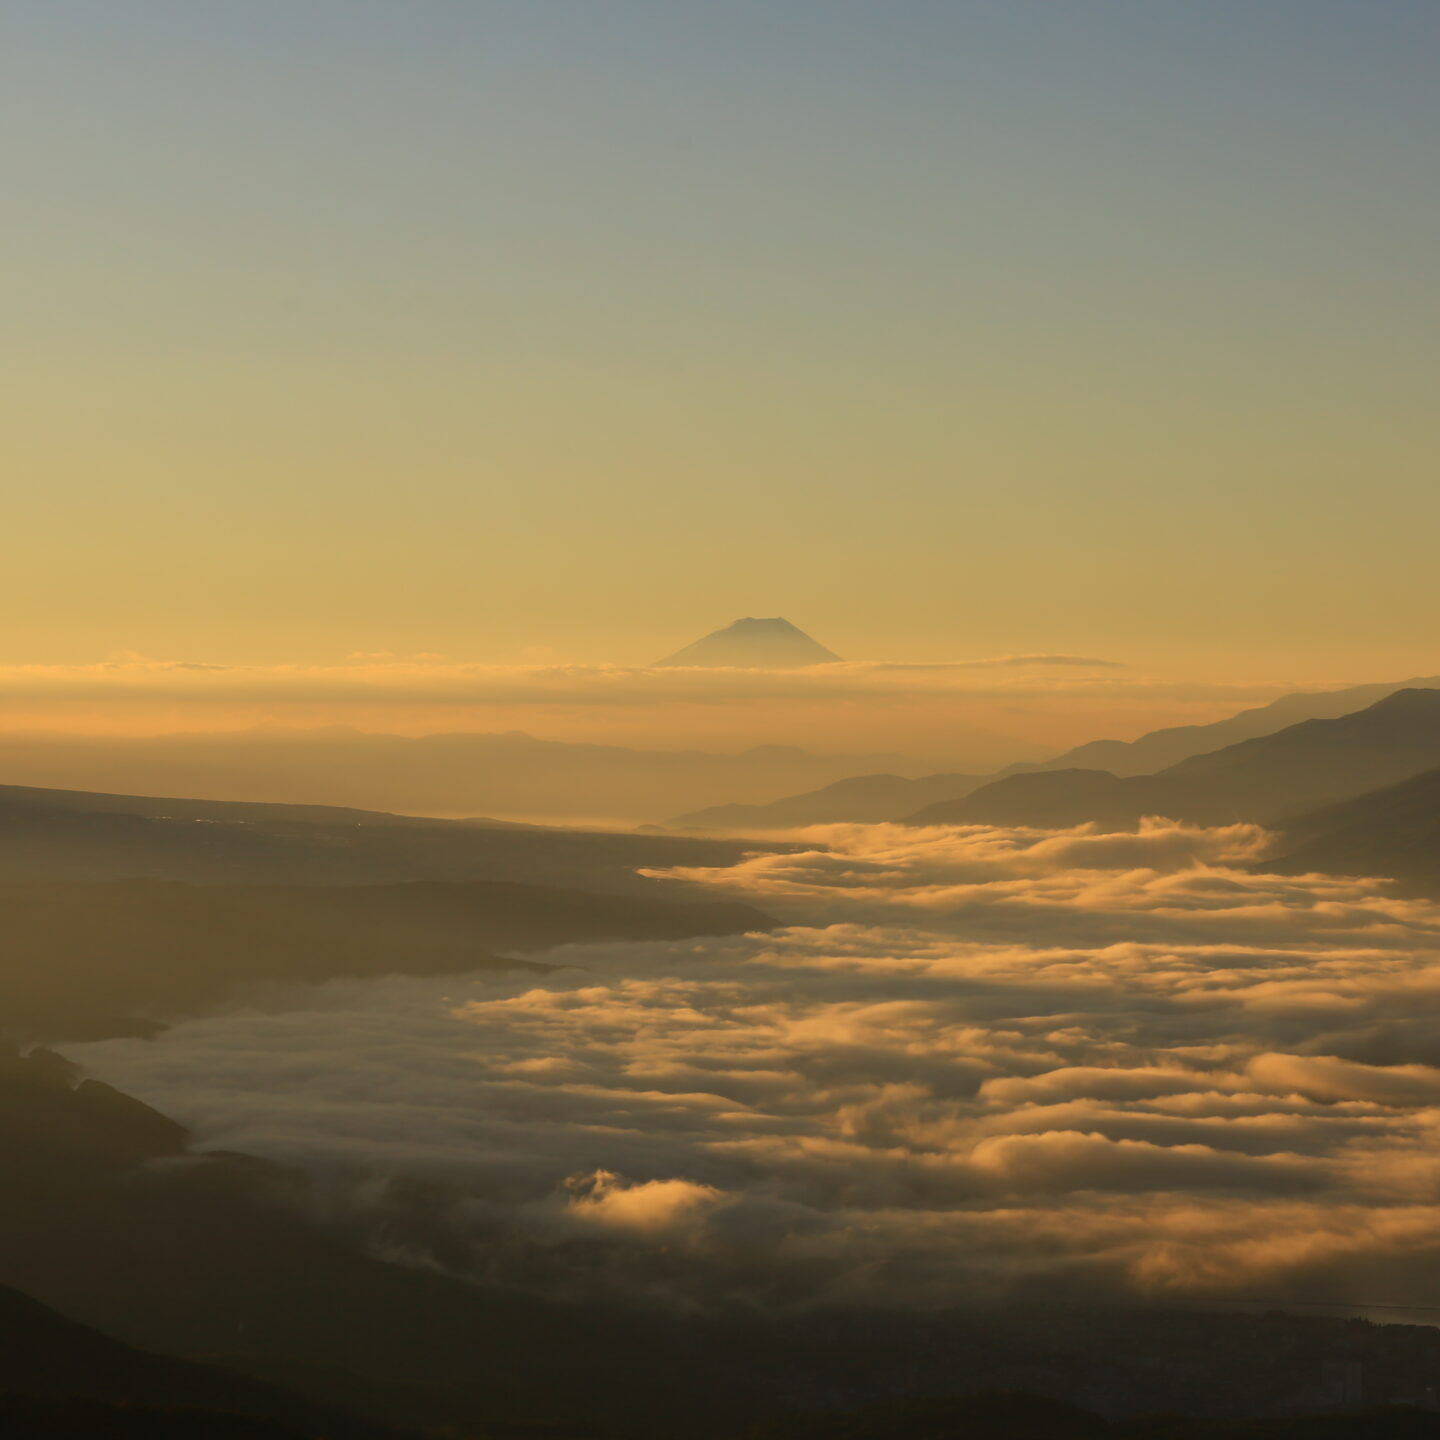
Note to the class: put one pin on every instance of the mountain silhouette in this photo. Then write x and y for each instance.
(872, 799)
(863, 799)
(1393, 831)
(752, 644)
(1268, 779)
(1058, 799)
(1159, 748)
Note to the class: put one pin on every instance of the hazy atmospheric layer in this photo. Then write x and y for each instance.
(976, 713)
(1002, 1062)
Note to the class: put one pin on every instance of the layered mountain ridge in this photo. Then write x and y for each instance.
(1147, 766)
(1263, 780)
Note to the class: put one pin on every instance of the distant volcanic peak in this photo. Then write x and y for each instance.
(754, 644)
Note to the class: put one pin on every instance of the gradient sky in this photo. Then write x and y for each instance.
(512, 329)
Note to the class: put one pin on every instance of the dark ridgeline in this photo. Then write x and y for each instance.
(1161, 748)
(464, 774)
(863, 799)
(1056, 799)
(880, 798)
(1268, 780)
(78, 835)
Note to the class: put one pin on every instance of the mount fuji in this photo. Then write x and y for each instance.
(751, 644)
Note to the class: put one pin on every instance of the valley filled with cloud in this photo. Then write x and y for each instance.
(972, 1064)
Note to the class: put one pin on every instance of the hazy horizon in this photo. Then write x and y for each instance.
(979, 713)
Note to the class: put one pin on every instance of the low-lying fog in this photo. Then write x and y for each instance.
(977, 1063)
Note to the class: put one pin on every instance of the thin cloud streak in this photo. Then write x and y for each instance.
(974, 715)
(434, 680)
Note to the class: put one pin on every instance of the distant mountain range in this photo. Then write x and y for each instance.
(753, 644)
(863, 799)
(1086, 794)
(1267, 779)
(1161, 748)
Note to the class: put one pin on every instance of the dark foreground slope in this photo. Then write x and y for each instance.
(90, 959)
(109, 1216)
(1020, 1416)
(61, 1379)
(1265, 780)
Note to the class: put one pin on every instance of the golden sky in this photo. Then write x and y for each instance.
(550, 334)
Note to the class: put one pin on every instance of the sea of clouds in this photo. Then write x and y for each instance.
(972, 1064)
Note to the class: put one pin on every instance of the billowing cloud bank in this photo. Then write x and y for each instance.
(978, 1063)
